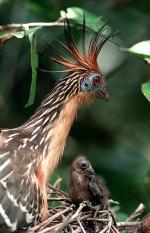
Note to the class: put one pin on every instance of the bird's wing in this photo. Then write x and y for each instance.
(94, 187)
(19, 192)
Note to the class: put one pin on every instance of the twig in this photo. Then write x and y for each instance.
(66, 219)
(58, 190)
(78, 230)
(123, 225)
(105, 229)
(58, 199)
(57, 183)
(82, 228)
(49, 220)
(64, 224)
(85, 217)
(98, 219)
(58, 23)
(82, 205)
(109, 223)
(136, 213)
(114, 202)
(27, 25)
(70, 219)
(115, 229)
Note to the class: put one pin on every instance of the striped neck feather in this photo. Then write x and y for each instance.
(50, 109)
(56, 113)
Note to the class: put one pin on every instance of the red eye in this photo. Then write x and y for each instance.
(96, 81)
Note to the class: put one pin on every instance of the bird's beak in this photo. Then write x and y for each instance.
(91, 171)
(102, 93)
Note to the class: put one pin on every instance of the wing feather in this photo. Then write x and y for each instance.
(19, 191)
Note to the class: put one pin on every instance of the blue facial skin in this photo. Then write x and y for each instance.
(86, 85)
(98, 88)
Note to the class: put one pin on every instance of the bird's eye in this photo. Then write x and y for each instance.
(86, 84)
(83, 164)
(96, 81)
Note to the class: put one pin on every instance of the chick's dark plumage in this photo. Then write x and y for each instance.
(86, 186)
(145, 226)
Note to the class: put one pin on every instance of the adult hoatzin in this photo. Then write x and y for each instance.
(29, 153)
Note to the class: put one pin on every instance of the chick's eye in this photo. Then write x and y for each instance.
(96, 81)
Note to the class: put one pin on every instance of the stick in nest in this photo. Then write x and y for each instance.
(67, 218)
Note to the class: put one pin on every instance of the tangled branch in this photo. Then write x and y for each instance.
(65, 217)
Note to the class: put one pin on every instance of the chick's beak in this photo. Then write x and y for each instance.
(90, 170)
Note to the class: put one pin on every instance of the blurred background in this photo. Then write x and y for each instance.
(115, 136)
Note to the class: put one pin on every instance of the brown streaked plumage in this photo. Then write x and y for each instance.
(86, 186)
(145, 226)
(29, 153)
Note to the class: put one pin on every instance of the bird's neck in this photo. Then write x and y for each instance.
(50, 125)
(60, 131)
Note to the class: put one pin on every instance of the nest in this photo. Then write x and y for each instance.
(65, 217)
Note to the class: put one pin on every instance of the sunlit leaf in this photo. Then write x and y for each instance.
(7, 34)
(147, 60)
(146, 90)
(141, 49)
(9, 31)
(34, 64)
(13, 33)
(76, 14)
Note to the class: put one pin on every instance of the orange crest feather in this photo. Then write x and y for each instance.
(87, 61)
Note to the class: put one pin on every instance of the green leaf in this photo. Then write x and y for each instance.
(34, 64)
(147, 60)
(9, 31)
(12, 33)
(30, 32)
(76, 15)
(7, 34)
(141, 49)
(146, 90)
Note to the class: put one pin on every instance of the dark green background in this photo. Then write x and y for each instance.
(115, 136)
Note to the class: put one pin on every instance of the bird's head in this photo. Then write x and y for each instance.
(81, 165)
(94, 83)
(84, 74)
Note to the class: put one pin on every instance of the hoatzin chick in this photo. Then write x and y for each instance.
(86, 186)
(145, 226)
(29, 153)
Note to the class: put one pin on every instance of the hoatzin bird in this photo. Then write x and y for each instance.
(86, 186)
(29, 153)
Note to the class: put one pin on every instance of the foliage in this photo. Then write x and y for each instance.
(146, 90)
(142, 49)
(20, 31)
(76, 15)
(114, 135)
(34, 64)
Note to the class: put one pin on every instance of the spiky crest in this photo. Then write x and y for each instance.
(85, 61)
